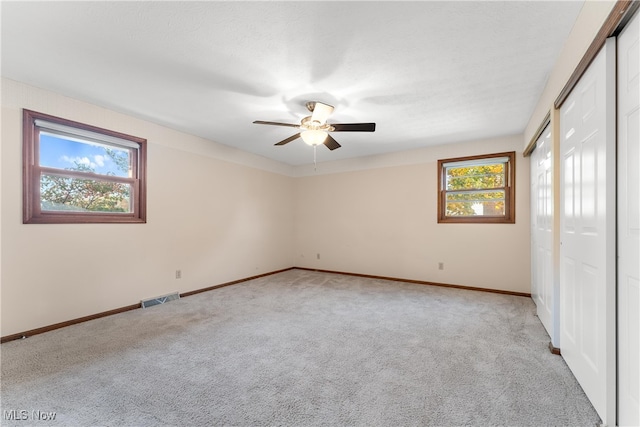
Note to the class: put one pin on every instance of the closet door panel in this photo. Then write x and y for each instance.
(629, 225)
(587, 233)
(542, 232)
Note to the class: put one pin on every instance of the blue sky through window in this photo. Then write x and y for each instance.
(66, 153)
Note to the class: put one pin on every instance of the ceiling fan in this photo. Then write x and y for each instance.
(314, 129)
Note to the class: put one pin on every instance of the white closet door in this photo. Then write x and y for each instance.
(587, 233)
(542, 288)
(629, 225)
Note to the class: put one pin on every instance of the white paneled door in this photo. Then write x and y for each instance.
(629, 225)
(587, 232)
(542, 286)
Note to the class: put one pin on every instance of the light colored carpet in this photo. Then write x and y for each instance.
(301, 348)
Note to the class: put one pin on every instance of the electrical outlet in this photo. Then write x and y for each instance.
(441, 266)
(178, 274)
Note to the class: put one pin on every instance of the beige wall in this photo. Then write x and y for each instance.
(216, 213)
(590, 19)
(381, 220)
(220, 214)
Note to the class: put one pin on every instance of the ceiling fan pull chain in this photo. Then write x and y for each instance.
(314, 158)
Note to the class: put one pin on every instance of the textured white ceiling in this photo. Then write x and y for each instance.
(426, 72)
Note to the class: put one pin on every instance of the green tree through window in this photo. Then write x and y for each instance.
(61, 193)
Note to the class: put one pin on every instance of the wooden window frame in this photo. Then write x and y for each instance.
(509, 216)
(32, 170)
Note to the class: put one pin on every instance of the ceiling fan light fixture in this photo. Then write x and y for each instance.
(313, 137)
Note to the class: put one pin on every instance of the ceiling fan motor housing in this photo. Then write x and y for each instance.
(309, 124)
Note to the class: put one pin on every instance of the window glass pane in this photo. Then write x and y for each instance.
(69, 153)
(475, 203)
(476, 177)
(60, 193)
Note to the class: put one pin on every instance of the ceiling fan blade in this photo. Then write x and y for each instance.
(321, 112)
(354, 127)
(288, 140)
(260, 122)
(331, 143)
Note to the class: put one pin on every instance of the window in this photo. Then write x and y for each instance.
(477, 189)
(76, 173)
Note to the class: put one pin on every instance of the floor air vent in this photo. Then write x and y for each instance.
(159, 300)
